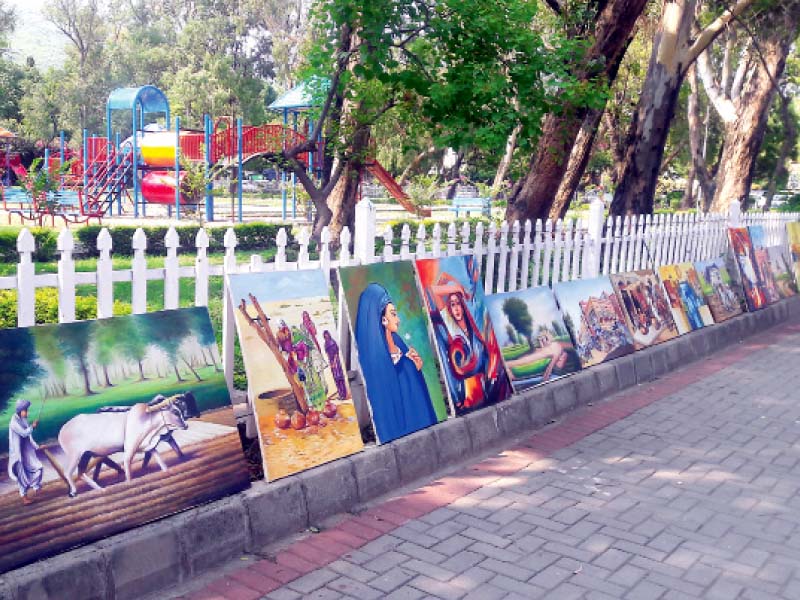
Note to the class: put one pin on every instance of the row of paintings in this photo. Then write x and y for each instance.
(429, 344)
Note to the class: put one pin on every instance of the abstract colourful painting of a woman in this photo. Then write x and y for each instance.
(392, 370)
(470, 354)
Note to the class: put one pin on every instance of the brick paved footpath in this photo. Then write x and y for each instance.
(683, 488)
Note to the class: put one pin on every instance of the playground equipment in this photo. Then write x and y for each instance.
(149, 167)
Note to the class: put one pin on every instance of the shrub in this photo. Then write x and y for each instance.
(250, 236)
(47, 307)
(45, 239)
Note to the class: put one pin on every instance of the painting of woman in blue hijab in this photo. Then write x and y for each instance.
(394, 349)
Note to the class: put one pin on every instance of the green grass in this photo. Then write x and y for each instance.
(515, 351)
(536, 368)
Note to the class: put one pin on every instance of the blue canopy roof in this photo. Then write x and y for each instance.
(299, 97)
(148, 97)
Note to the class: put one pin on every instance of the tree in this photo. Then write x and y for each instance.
(674, 51)
(50, 352)
(74, 339)
(18, 366)
(106, 337)
(167, 330)
(744, 105)
(202, 330)
(570, 128)
(516, 312)
(131, 342)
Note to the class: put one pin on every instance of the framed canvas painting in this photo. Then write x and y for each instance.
(593, 314)
(694, 301)
(295, 374)
(744, 256)
(396, 358)
(719, 289)
(793, 233)
(761, 259)
(532, 336)
(107, 425)
(468, 352)
(645, 306)
(781, 268)
(682, 299)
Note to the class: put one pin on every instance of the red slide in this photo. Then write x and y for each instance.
(15, 162)
(158, 187)
(394, 189)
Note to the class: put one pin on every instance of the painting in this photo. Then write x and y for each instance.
(719, 289)
(761, 260)
(533, 338)
(295, 375)
(468, 351)
(691, 291)
(781, 268)
(107, 425)
(744, 256)
(645, 306)
(593, 314)
(397, 360)
(793, 233)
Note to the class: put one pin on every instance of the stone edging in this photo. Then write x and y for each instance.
(165, 553)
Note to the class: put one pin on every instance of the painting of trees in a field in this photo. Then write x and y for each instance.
(109, 424)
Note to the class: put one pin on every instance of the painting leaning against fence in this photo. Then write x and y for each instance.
(107, 425)
(533, 339)
(692, 293)
(295, 372)
(394, 348)
(782, 271)
(793, 233)
(719, 289)
(468, 351)
(742, 249)
(593, 314)
(645, 306)
(761, 259)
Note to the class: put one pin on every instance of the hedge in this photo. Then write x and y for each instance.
(249, 236)
(46, 242)
(47, 307)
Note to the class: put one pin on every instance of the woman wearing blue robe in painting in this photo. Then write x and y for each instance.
(392, 371)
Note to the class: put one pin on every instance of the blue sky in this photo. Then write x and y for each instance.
(285, 285)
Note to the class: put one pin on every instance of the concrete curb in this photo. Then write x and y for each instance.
(150, 558)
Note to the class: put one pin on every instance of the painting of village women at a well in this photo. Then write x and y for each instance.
(718, 289)
(593, 314)
(748, 272)
(782, 271)
(533, 338)
(109, 424)
(395, 354)
(295, 375)
(761, 259)
(468, 351)
(645, 306)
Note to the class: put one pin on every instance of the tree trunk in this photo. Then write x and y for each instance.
(415, 163)
(454, 175)
(699, 169)
(191, 368)
(578, 159)
(788, 142)
(505, 162)
(534, 195)
(674, 51)
(141, 372)
(743, 136)
(105, 374)
(177, 373)
(342, 199)
(84, 369)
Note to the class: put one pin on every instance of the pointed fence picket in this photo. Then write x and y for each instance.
(509, 257)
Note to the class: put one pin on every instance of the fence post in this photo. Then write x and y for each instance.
(593, 240)
(105, 276)
(171, 279)
(201, 268)
(364, 245)
(139, 273)
(228, 324)
(734, 215)
(66, 278)
(26, 288)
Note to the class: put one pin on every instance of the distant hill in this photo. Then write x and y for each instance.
(35, 36)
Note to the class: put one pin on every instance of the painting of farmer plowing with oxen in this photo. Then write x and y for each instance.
(295, 373)
(110, 424)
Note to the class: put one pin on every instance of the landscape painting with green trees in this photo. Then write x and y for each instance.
(533, 339)
(110, 424)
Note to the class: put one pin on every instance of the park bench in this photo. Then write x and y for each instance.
(484, 205)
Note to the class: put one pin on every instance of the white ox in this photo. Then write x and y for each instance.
(136, 429)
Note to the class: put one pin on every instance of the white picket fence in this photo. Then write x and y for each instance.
(511, 257)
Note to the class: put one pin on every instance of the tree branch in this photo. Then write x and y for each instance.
(722, 104)
(712, 30)
(555, 6)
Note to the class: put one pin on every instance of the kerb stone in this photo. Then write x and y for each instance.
(541, 406)
(513, 417)
(77, 574)
(605, 375)
(452, 441)
(626, 372)
(214, 533)
(274, 510)
(416, 455)
(643, 365)
(585, 386)
(329, 489)
(483, 428)
(565, 396)
(376, 472)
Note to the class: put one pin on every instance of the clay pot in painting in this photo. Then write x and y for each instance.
(298, 420)
(282, 419)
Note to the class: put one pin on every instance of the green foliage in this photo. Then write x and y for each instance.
(17, 362)
(45, 239)
(517, 313)
(792, 205)
(249, 236)
(46, 302)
